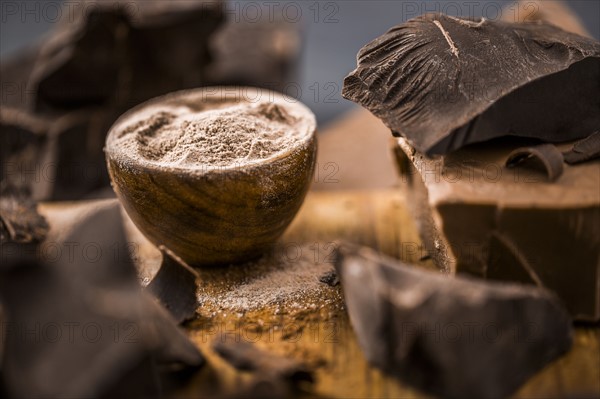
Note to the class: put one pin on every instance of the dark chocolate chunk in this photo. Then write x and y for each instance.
(330, 278)
(444, 82)
(24, 145)
(140, 50)
(247, 357)
(19, 220)
(63, 94)
(584, 150)
(547, 155)
(66, 75)
(476, 216)
(451, 336)
(262, 53)
(15, 70)
(79, 325)
(101, 227)
(59, 157)
(175, 286)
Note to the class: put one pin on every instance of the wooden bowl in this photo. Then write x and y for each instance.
(213, 215)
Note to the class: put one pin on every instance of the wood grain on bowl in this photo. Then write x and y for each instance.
(221, 202)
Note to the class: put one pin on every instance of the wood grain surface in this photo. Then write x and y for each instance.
(322, 337)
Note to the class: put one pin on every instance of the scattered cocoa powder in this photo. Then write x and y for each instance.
(285, 280)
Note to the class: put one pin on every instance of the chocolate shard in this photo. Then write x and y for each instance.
(80, 325)
(248, 357)
(330, 278)
(443, 82)
(584, 150)
(63, 115)
(262, 53)
(142, 39)
(66, 76)
(175, 286)
(54, 117)
(101, 226)
(19, 220)
(545, 154)
(14, 75)
(419, 326)
(24, 144)
(59, 157)
(479, 217)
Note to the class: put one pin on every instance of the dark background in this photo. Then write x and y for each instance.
(334, 31)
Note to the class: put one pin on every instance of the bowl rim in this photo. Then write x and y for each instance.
(308, 127)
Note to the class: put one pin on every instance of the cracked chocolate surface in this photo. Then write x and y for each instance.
(444, 82)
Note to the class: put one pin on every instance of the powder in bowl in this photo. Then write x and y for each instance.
(213, 178)
(227, 134)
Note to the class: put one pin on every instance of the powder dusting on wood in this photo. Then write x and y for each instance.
(287, 280)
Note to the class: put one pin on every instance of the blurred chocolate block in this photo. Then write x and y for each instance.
(431, 330)
(262, 53)
(14, 77)
(124, 53)
(78, 324)
(60, 96)
(476, 216)
(23, 141)
(58, 157)
(19, 220)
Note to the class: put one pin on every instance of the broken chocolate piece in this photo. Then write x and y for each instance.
(19, 220)
(419, 326)
(142, 38)
(247, 357)
(133, 44)
(443, 82)
(546, 154)
(584, 150)
(476, 216)
(24, 146)
(60, 101)
(175, 286)
(330, 278)
(15, 70)
(259, 53)
(58, 157)
(66, 75)
(79, 324)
